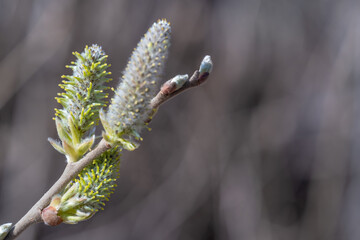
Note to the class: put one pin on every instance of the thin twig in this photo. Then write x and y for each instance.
(166, 93)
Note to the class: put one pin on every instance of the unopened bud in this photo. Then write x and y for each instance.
(179, 80)
(206, 65)
(4, 230)
(50, 214)
(174, 84)
(50, 217)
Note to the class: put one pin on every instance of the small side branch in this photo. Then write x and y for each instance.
(166, 93)
(175, 85)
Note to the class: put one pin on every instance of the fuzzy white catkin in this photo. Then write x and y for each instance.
(129, 108)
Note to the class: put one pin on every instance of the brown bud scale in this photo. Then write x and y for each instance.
(50, 217)
(168, 88)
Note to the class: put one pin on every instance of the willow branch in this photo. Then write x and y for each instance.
(168, 90)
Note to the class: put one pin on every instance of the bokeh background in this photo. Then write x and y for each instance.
(267, 149)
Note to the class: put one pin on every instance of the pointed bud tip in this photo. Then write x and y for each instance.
(206, 65)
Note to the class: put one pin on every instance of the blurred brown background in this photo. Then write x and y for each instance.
(267, 149)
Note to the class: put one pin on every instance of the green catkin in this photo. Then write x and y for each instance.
(82, 99)
(87, 193)
(84, 96)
